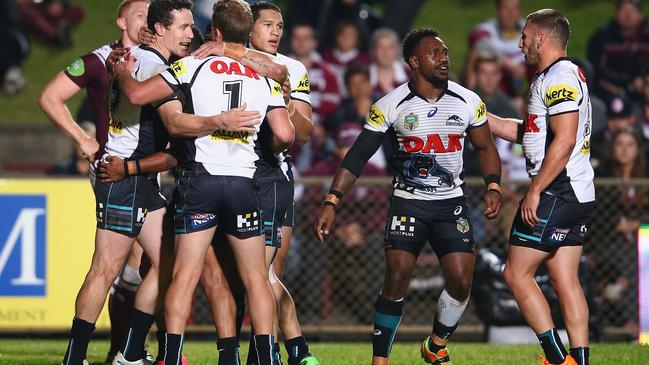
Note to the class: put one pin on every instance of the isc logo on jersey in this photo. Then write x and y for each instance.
(560, 93)
(22, 245)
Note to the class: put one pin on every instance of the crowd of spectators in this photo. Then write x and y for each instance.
(48, 21)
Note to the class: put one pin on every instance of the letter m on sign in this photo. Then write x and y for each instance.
(22, 245)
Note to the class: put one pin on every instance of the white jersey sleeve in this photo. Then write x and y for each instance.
(477, 110)
(381, 116)
(298, 78)
(561, 92)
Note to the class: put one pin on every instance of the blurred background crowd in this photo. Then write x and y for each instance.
(351, 49)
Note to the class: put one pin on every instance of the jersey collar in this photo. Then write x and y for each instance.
(155, 51)
(545, 71)
(414, 92)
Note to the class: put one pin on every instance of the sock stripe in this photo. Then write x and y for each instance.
(69, 351)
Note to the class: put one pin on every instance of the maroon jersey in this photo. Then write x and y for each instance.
(89, 72)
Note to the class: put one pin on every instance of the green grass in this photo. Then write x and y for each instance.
(43, 352)
(453, 18)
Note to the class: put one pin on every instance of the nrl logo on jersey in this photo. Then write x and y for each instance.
(411, 121)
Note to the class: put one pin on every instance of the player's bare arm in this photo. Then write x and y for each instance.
(564, 127)
(263, 63)
(283, 130)
(300, 113)
(509, 129)
(139, 93)
(350, 169)
(114, 169)
(490, 167)
(52, 102)
(181, 124)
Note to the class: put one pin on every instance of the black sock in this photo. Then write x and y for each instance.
(161, 345)
(555, 353)
(264, 349)
(80, 335)
(138, 329)
(387, 316)
(441, 330)
(240, 300)
(120, 304)
(277, 353)
(174, 347)
(580, 354)
(252, 354)
(228, 351)
(297, 350)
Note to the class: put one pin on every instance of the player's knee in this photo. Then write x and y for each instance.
(104, 271)
(509, 276)
(459, 288)
(254, 278)
(565, 284)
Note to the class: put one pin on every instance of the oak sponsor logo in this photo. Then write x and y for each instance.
(433, 143)
(233, 68)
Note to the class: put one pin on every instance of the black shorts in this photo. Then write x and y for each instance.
(562, 223)
(231, 202)
(122, 206)
(445, 224)
(276, 199)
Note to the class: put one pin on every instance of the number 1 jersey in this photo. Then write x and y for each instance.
(210, 87)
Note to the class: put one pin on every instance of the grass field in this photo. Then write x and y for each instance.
(454, 19)
(46, 352)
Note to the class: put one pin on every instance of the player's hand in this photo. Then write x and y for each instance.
(113, 58)
(145, 36)
(88, 147)
(126, 64)
(528, 208)
(323, 223)
(492, 202)
(111, 169)
(286, 90)
(207, 49)
(237, 120)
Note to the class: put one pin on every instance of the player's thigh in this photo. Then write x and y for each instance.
(111, 251)
(212, 276)
(191, 249)
(561, 223)
(196, 203)
(408, 226)
(122, 206)
(523, 261)
(249, 254)
(282, 252)
(452, 230)
(563, 266)
(151, 235)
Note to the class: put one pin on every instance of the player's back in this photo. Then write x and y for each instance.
(212, 86)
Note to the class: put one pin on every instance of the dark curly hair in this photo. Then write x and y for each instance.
(413, 38)
(160, 12)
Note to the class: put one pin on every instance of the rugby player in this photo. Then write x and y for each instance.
(428, 118)
(89, 72)
(275, 180)
(552, 221)
(223, 161)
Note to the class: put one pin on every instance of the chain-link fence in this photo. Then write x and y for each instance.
(335, 284)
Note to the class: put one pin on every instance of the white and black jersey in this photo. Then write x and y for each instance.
(136, 131)
(210, 87)
(560, 88)
(428, 137)
(273, 166)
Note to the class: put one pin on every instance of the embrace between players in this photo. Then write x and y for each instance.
(233, 174)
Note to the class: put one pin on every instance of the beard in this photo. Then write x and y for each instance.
(438, 82)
